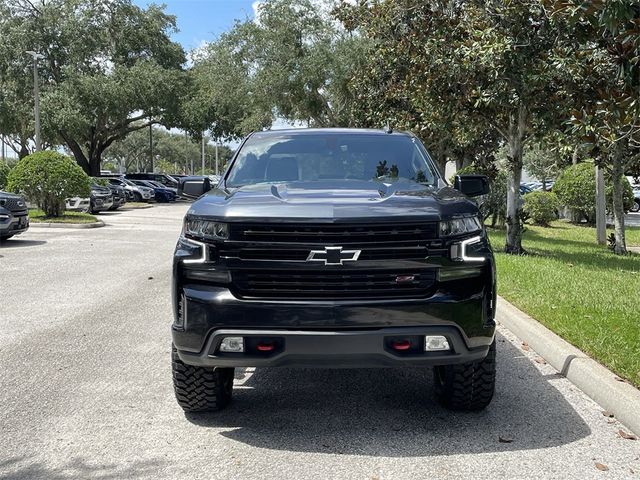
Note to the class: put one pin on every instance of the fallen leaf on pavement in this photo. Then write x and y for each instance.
(525, 346)
(627, 436)
(502, 439)
(607, 414)
(540, 360)
(601, 467)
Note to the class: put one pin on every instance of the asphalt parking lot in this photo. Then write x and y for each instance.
(86, 388)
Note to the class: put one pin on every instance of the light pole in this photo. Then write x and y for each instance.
(151, 146)
(36, 93)
(202, 153)
(217, 171)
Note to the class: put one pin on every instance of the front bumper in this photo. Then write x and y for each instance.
(330, 334)
(14, 224)
(335, 349)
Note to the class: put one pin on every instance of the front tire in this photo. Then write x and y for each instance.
(636, 206)
(200, 389)
(467, 386)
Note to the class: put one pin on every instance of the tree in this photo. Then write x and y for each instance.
(4, 173)
(467, 66)
(109, 69)
(602, 53)
(542, 162)
(48, 178)
(294, 63)
(173, 152)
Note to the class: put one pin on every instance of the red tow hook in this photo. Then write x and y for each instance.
(401, 345)
(265, 347)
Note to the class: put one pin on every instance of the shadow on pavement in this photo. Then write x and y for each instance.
(391, 412)
(16, 243)
(21, 469)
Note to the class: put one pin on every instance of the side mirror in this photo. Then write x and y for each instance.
(472, 185)
(193, 187)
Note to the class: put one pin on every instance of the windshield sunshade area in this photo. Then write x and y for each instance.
(296, 157)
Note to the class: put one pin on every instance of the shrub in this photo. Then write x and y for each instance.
(4, 173)
(494, 204)
(48, 178)
(541, 207)
(576, 190)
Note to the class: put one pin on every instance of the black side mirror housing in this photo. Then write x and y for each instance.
(193, 187)
(472, 185)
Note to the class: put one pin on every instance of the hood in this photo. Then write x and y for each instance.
(333, 201)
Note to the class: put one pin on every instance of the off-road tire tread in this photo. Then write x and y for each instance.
(200, 389)
(467, 386)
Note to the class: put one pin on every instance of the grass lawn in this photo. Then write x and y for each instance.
(578, 289)
(38, 216)
(134, 205)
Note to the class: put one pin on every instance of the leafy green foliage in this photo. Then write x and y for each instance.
(576, 189)
(541, 207)
(294, 62)
(110, 68)
(48, 178)
(541, 162)
(4, 173)
(173, 153)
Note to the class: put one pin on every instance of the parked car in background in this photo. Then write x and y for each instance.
(135, 193)
(636, 199)
(161, 193)
(99, 200)
(118, 192)
(77, 204)
(163, 178)
(14, 218)
(119, 196)
(159, 185)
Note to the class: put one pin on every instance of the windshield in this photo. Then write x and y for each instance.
(320, 157)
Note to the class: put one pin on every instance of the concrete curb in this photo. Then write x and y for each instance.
(97, 224)
(619, 398)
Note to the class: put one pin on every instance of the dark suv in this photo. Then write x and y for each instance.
(14, 218)
(333, 248)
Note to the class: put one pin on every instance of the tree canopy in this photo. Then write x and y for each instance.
(109, 68)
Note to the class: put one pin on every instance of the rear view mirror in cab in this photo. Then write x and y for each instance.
(193, 187)
(472, 185)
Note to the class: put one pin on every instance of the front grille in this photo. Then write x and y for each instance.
(336, 284)
(292, 253)
(13, 204)
(334, 233)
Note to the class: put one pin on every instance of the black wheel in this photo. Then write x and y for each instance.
(200, 389)
(636, 206)
(137, 197)
(467, 386)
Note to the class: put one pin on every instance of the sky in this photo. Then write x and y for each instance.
(202, 21)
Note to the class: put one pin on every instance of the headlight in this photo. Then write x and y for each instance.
(460, 226)
(205, 229)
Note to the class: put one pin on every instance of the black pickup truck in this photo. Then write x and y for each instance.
(333, 248)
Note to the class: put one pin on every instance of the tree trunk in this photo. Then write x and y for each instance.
(574, 157)
(618, 197)
(516, 135)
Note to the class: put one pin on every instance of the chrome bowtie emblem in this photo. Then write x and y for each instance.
(333, 255)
